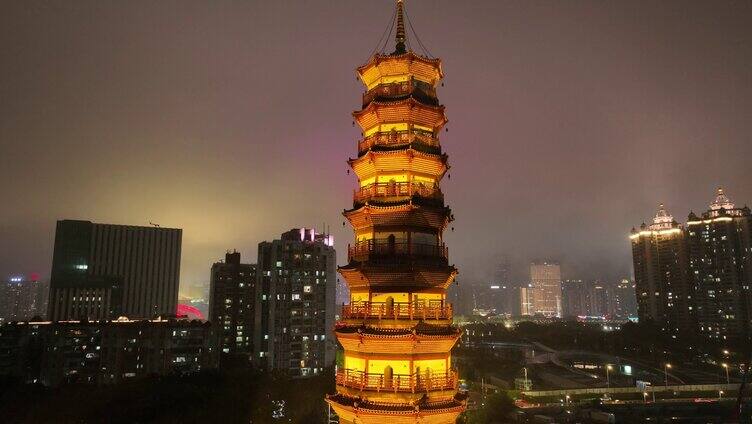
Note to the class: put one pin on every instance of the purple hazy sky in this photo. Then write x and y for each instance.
(569, 121)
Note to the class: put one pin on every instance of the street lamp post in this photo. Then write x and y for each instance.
(725, 367)
(644, 397)
(665, 373)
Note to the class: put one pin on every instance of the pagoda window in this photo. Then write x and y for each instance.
(365, 234)
(397, 237)
(430, 298)
(396, 297)
(359, 297)
(354, 363)
(434, 366)
(424, 238)
(377, 366)
(368, 181)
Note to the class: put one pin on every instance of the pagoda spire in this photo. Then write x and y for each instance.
(400, 36)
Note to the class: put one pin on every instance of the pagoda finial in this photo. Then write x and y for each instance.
(400, 36)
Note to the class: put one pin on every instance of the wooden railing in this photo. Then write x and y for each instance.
(397, 310)
(394, 189)
(397, 138)
(362, 250)
(414, 383)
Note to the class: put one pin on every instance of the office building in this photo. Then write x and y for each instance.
(545, 279)
(104, 271)
(294, 303)
(231, 303)
(23, 298)
(575, 298)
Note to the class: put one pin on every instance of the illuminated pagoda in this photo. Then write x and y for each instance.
(397, 331)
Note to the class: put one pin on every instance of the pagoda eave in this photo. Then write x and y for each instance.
(397, 277)
(408, 344)
(350, 410)
(387, 396)
(408, 110)
(381, 66)
(409, 160)
(408, 215)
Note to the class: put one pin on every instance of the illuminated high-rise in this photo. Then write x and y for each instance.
(545, 279)
(659, 254)
(720, 269)
(397, 331)
(23, 298)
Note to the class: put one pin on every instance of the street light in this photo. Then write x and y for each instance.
(644, 397)
(720, 394)
(665, 372)
(608, 377)
(725, 366)
(567, 397)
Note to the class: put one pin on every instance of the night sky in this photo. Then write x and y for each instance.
(569, 121)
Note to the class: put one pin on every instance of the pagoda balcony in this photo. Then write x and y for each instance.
(398, 138)
(422, 91)
(397, 311)
(384, 248)
(395, 192)
(414, 383)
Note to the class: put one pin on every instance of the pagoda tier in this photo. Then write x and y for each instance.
(393, 193)
(408, 216)
(422, 92)
(378, 113)
(399, 277)
(385, 69)
(397, 140)
(383, 166)
(358, 339)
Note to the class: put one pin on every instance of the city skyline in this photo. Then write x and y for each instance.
(180, 116)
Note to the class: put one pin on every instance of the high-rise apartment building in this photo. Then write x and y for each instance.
(526, 301)
(575, 299)
(231, 303)
(697, 278)
(294, 303)
(720, 269)
(103, 271)
(660, 260)
(105, 352)
(623, 300)
(23, 298)
(545, 279)
(599, 295)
